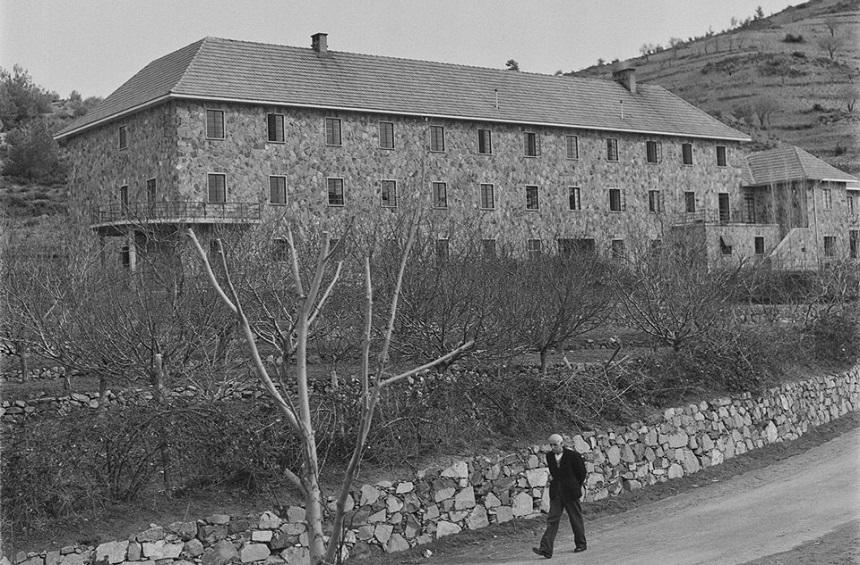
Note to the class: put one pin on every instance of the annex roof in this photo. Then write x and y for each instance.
(791, 163)
(240, 71)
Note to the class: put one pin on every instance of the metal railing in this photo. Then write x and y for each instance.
(176, 211)
(712, 217)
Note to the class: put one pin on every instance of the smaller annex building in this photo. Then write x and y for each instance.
(230, 133)
(814, 207)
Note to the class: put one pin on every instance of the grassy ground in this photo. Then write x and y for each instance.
(838, 547)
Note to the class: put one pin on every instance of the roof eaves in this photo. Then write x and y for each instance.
(112, 117)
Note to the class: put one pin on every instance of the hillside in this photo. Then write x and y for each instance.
(773, 70)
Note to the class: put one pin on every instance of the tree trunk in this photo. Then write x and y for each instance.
(543, 361)
(163, 438)
(23, 359)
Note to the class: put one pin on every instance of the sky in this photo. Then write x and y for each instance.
(93, 46)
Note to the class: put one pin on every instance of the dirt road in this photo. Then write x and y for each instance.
(759, 513)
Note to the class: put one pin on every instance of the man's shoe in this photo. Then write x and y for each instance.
(542, 552)
(580, 549)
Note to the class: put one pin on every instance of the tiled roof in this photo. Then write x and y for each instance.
(228, 70)
(791, 163)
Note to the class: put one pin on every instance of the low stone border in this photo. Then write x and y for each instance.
(474, 493)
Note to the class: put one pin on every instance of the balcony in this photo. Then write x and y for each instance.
(712, 217)
(119, 215)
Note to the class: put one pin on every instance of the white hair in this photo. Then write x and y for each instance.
(555, 438)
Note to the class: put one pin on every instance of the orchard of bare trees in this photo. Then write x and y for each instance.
(381, 345)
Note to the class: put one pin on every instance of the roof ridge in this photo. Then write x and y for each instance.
(200, 43)
(395, 58)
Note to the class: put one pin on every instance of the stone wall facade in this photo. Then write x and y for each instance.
(471, 494)
(169, 143)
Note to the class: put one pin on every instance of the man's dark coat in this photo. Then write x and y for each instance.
(567, 476)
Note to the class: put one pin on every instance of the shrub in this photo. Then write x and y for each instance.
(789, 38)
(732, 360)
(835, 336)
(32, 154)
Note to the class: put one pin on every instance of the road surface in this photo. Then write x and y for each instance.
(756, 514)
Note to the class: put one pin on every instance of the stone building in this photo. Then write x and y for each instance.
(226, 132)
(815, 207)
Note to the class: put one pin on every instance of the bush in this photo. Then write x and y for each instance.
(836, 337)
(789, 38)
(734, 360)
(32, 154)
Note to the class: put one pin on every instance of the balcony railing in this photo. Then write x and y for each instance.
(713, 217)
(178, 211)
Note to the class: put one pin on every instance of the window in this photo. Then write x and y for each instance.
(276, 127)
(829, 245)
(151, 191)
(485, 141)
(386, 135)
(437, 138)
(278, 190)
(571, 143)
(123, 199)
(566, 247)
(723, 204)
(533, 246)
(574, 201)
(488, 248)
(617, 247)
(335, 192)
(488, 201)
(721, 156)
(531, 144)
(332, 132)
(689, 202)
(280, 249)
(217, 188)
(854, 243)
(440, 194)
(849, 202)
(532, 198)
(828, 198)
(687, 153)
(214, 249)
(215, 124)
(653, 151)
(123, 137)
(759, 245)
(616, 200)
(611, 149)
(725, 245)
(442, 249)
(389, 194)
(655, 201)
(749, 200)
(125, 256)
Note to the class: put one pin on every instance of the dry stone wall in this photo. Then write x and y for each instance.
(474, 493)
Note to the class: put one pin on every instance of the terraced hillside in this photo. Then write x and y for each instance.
(774, 78)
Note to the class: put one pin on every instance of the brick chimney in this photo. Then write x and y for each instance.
(319, 43)
(625, 74)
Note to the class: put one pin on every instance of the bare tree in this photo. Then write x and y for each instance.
(848, 94)
(672, 296)
(763, 108)
(286, 328)
(553, 299)
(831, 44)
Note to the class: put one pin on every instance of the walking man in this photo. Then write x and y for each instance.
(567, 472)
